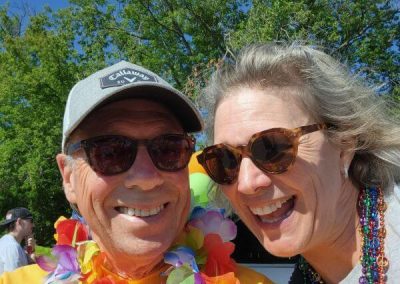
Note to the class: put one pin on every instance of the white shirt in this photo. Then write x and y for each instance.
(12, 255)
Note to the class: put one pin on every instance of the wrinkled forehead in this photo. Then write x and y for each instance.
(130, 112)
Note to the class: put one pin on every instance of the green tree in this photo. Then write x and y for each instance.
(43, 55)
(365, 34)
(40, 63)
(34, 78)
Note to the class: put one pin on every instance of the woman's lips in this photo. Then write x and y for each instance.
(276, 211)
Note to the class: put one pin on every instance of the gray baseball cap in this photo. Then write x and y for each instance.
(126, 80)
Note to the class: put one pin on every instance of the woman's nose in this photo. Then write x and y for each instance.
(251, 179)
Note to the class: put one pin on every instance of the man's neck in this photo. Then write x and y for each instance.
(17, 236)
(135, 269)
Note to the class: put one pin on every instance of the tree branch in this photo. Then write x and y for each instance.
(204, 24)
(179, 31)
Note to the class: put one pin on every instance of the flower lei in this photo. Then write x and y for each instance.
(201, 254)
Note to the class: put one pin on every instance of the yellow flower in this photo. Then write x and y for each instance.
(61, 218)
(86, 252)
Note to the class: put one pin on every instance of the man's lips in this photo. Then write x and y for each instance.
(137, 212)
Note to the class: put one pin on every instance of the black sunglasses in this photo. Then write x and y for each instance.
(114, 154)
(272, 151)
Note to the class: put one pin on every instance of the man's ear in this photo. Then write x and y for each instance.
(18, 222)
(65, 168)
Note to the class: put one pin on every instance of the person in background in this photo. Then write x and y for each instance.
(19, 226)
(124, 165)
(309, 158)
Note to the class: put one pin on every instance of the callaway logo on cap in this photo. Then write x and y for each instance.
(125, 76)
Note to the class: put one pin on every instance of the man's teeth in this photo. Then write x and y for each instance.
(140, 212)
(268, 209)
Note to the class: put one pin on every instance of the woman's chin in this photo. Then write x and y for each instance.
(283, 252)
(282, 249)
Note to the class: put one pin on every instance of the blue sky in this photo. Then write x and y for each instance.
(35, 5)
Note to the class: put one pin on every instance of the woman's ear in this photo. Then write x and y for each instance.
(346, 157)
(65, 168)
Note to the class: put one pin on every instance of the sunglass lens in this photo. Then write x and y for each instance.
(170, 152)
(221, 164)
(273, 152)
(112, 155)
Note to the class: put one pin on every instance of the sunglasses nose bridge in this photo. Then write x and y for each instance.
(244, 151)
(142, 173)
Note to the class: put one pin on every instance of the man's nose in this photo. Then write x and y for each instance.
(143, 173)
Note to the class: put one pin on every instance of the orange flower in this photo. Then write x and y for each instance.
(70, 231)
(109, 280)
(228, 278)
(219, 261)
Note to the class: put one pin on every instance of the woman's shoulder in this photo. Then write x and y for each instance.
(392, 240)
(393, 210)
(32, 274)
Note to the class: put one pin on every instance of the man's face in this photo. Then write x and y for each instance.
(138, 213)
(27, 227)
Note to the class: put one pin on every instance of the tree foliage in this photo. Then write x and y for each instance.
(43, 55)
(365, 34)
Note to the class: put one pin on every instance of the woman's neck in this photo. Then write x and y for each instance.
(335, 259)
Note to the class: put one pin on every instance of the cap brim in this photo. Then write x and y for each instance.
(6, 222)
(176, 102)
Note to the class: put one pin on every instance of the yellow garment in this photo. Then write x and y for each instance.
(250, 276)
(33, 274)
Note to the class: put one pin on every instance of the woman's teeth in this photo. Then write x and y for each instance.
(268, 209)
(140, 212)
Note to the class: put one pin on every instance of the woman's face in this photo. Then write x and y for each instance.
(303, 208)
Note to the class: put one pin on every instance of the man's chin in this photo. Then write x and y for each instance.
(140, 250)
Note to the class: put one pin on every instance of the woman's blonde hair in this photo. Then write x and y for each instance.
(359, 119)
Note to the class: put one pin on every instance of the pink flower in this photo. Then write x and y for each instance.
(213, 222)
(64, 267)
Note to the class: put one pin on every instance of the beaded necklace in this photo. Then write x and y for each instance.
(373, 233)
(374, 263)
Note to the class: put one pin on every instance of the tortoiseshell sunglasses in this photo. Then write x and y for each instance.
(273, 151)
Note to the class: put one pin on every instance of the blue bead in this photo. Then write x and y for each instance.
(375, 275)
